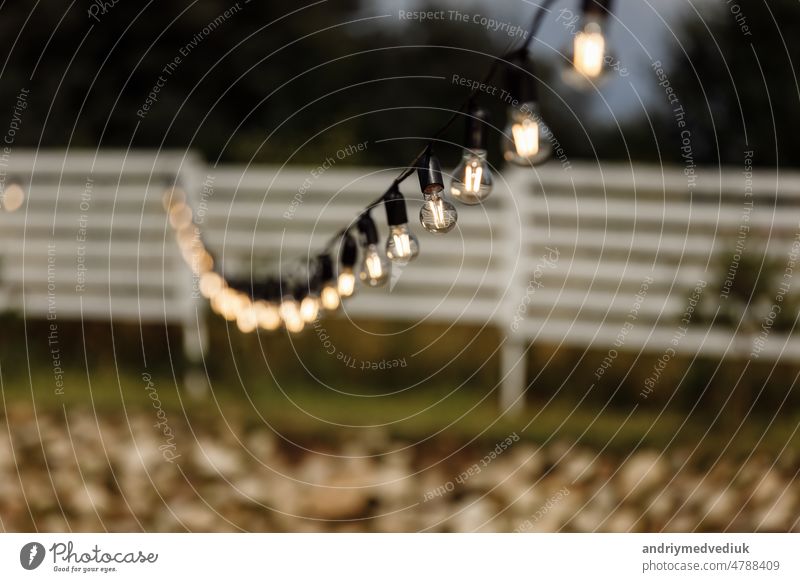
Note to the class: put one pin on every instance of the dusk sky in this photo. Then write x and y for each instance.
(640, 32)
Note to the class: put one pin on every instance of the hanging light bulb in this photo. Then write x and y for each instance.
(247, 318)
(290, 310)
(437, 215)
(472, 179)
(375, 268)
(329, 296)
(401, 246)
(211, 284)
(527, 139)
(229, 302)
(590, 49)
(349, 255)
(267, 315)
(13, 196)
(309, 306)
(587, 55)
(266, 305)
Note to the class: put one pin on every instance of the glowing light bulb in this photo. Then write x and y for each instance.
(229, 302)
(375, 269)
(186, 238)
(290, 314)
(401, 246)
(330, 297)
(247, 319)
(309, 308)
(13, 197)
(472, 179)
(528, 140)
(210, 284)
(267, 304)
(437, 215)
(204, 261)
(589, 50)
(180, 216)
(588, 59)
(173, 196)
(216, 303)
(346, 282)
(267, 314)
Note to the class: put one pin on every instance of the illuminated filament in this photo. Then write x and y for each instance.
(247, 319)
(290, 313)
(13, 197)
(402, 245)
(309, 309)
(474, 173)
(437, 212)
(374, 267)
(330, 297)
(526, 138)
(268, 316)
(590, 48)
(346, 283)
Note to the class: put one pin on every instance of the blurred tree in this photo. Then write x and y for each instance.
(734, 72)
(252, 80)
(732, 67)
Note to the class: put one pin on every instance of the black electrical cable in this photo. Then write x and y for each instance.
(533, 30)
(409, 169)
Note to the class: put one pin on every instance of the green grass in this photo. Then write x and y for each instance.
(304, 412)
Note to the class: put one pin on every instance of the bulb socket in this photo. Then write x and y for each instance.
(299, 292)
(325, 267)
(368, 230)
(272, 290)
(475, 138)
(259, 291)
(395, 205)
(284, 288)
(429, 172)
(520, 83)
(349, 252)
(314, 282)
(599, 8)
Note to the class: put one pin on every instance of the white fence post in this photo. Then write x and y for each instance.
(513, 376)
(516, 257)
(192, 176)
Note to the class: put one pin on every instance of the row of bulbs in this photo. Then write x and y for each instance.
(293, 305)
(231, 301)
(277, 302)
(527, 139)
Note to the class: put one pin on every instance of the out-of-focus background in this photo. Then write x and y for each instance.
(607, 344)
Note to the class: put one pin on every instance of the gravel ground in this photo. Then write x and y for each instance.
(74, 472)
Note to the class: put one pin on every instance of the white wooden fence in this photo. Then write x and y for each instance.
(595, 257)
(91, 241)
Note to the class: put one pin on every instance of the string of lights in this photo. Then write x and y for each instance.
(295, 301)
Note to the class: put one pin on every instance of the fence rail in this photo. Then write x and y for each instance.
(580, 257)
